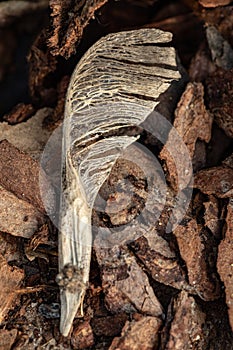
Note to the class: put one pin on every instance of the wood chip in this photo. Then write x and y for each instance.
(186, 330)
(214, 3)
(82, 336)
(30, 136)
(69, 21)
(159, 260)
(18, 217)
(196, 251)
(10, 279)
(225, 261)
(7, 338)
(125, 285)
(219, 92)
(216, 180)
(211, 216)
(19, 113)
(109, 326)
(20, 175)
(138, 334)
(192, 122)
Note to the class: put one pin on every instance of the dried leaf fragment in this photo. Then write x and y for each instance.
(7, 338)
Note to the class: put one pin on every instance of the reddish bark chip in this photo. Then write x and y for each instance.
(214, 3)
(192, 122)
(225, 261)
(19, 113)
(82, 336)
(18, 217)
(10, 279)
(219, 94)
(109, 326)
(125, 284)
(186, 329)
(216, 180)
(141, 334)
(160, 261)
(211, 216)
(7, 338)
(20, 175)
(194, 251)
(69, 21)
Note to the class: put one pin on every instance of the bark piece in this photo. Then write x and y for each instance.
(82, 336)
(42, 65)
(187, 326)
(69, 21)
(11, 247)
(109, 326)
(18, 217)
(197, 256)
(30, 137)
(138, 334)
(7, 338)
(154, 252)
(219, 92)
(201, 65)
(20, 175)
(19, 113)
(221, 51)
(211, 216)
(225, 261)
(215, 180)
(214, 3)
(10, 279)
(125, 285)
(192, 122)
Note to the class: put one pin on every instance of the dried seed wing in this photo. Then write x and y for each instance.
(115, 85)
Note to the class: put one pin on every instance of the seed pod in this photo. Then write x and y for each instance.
(115, 85)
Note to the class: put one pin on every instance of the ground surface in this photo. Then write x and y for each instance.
(150, 289)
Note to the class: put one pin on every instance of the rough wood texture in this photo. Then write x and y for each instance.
(115, 85)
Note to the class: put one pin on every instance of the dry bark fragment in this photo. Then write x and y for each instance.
(69, 20)
(108, 326)
(187, 326)
(211, 216)
(30, 137)
(7, 338)
(19, 113)
(215, 180)
(219, 92)
(82, 336)
(159, 260)
(221, 51)
(10, 279)
(125, 285)
(42, 65)
(18, 217)
(225, 261)
(192, 122)
(193, 250)
(138, 334)
(20, 175)
(214, 3)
